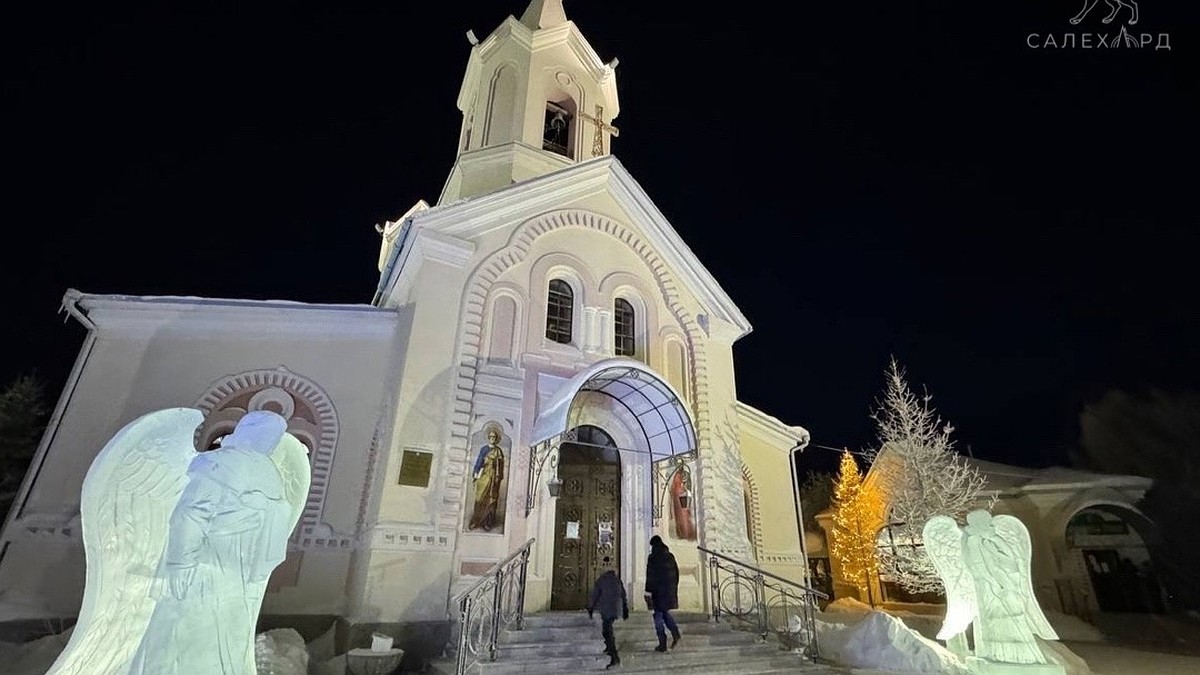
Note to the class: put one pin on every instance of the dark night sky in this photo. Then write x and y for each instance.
(1016, 225)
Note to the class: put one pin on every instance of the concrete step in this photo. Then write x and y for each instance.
(530, 651)
(591, 657)
(664, 663)
(580, 618)
(564, 642)
(634, 628)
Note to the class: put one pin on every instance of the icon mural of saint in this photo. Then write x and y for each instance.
(488, 482)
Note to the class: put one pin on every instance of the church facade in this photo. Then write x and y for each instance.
(544, 360)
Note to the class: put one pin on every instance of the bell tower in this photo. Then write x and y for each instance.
(535, 98)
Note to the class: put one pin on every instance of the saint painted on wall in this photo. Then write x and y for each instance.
(489, 481)
(681, 504)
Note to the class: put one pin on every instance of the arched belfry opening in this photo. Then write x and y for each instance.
(558, 128)
(609, 443)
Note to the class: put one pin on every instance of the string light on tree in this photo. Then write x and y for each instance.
(857, 517)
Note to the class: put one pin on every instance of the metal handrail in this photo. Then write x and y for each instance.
(765, 573)
(486, 576)
(758, 595)
(480, 618)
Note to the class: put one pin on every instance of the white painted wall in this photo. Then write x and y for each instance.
(157, 354)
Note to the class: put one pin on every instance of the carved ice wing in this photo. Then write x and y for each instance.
(943, 544)
(128, 495)
(291, 460)
(1017, 535)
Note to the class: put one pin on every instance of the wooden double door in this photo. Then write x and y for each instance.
(587, 523)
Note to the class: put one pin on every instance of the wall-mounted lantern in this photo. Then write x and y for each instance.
(554, 485)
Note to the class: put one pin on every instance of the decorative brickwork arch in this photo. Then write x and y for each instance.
(310, 414)
(472, 329)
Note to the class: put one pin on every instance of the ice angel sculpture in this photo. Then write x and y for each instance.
(180, 544)
(985, 568)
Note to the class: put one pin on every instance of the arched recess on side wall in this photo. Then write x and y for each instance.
(309, 411)
(675, 363)
(500, 126)
(753, 511)
(505, 336)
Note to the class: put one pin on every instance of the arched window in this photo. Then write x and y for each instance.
(624, 343)
(559, 306)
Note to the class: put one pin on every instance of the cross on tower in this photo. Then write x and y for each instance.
(601, 127)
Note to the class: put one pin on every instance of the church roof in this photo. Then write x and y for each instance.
(113, 311)
(544, 14)
(93, 300)
(1009, 478)
(472, 217)
(787, 436)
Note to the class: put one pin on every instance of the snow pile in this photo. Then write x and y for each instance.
(848, 606)
(883, 642)
(1058, 653)
(280, 652)
(849, 610)
(929, 622)
(1073, 628)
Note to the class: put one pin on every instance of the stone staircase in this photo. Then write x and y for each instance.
(565, 642)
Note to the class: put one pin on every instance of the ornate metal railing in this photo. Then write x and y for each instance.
(494, 602)
(770, 604)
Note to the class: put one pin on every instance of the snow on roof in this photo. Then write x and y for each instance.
(1006, 477)
(1010, 478)
(73, 295)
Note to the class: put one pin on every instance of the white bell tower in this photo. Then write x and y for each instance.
(535, 98)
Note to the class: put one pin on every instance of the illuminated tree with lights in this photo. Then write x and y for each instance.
(922, 476)
(857, 517)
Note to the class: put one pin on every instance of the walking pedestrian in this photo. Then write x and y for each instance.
(608, 598)
(662, 591)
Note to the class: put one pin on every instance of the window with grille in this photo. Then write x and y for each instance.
(559, 307)
(623, 329)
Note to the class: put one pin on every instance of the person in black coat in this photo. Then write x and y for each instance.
(662, 591)
(608, 597)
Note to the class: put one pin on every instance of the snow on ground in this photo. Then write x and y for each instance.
(927, 620)
(1072, 628)
(882, 641)
(876, 642)
(1106, 659)
(281, 651)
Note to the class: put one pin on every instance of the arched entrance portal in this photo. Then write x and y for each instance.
(1112, 543)
(587, 515)
(644, 437)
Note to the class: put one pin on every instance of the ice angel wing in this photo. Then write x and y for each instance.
(128, 495)
(1017, 535)
(291, 460)
(943, 544)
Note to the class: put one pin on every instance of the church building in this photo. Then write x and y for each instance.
(545, 370)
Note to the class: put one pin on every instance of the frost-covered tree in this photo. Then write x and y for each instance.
(857, 517)
(922, 476)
